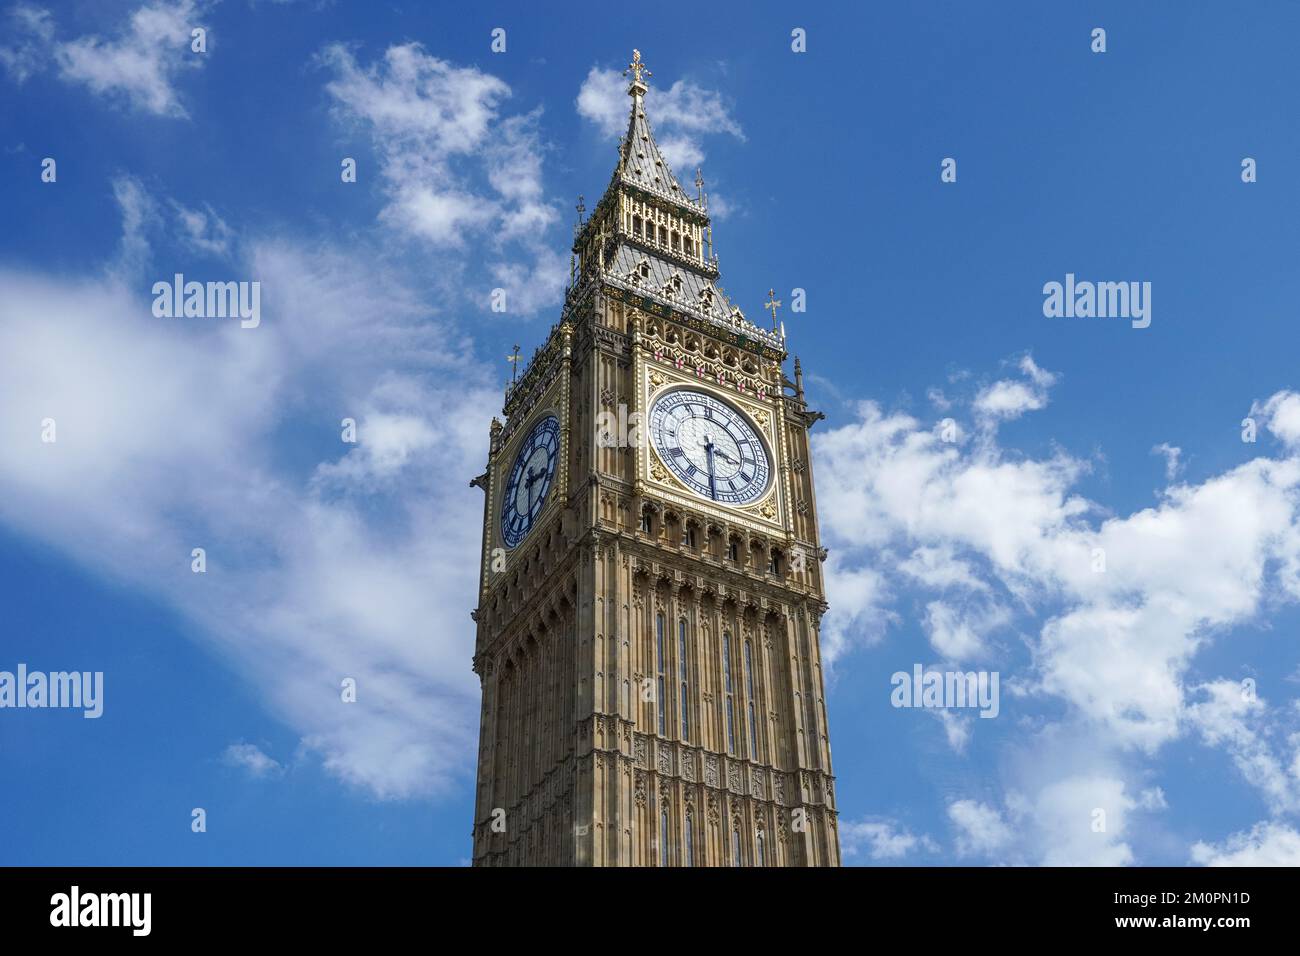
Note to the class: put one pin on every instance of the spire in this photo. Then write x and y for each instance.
(651, 238)
(641, 164)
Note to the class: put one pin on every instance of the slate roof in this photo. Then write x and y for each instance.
(682, 288)
(641, 163)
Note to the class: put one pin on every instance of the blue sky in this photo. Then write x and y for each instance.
(1121, 690)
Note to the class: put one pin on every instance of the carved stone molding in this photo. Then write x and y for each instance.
(665, 763)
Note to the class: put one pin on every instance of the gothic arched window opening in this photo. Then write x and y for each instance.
(726, 681)
(663, 837)
(659, 663)
(749, 692)
(683, 663)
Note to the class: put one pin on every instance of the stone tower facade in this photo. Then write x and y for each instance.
(652, 588)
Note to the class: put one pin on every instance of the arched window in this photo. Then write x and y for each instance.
(736, 859)
(753, 734)
(636, 225)
(659, 661)
(749, 693)
(677, 241)
(663, 837)
(726, 674)
(690, 841)
(684, 698)
(690, 246)
(663, 236)
(762, 855)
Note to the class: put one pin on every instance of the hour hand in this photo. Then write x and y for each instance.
(724, 456)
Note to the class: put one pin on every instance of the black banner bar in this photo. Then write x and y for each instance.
(331, 905)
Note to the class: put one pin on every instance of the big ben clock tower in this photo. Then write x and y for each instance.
(652, 591)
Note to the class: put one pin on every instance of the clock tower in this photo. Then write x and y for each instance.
(651, 585)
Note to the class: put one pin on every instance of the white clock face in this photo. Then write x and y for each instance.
(710, 446)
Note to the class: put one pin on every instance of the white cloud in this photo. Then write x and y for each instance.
(857, 614)
(1265, 844)
(1113, 644)
(351, 563)
(941, 569)
(1229, 715)
(455, 171)
(958, 634)
(603, 99)
(1081, 820)
(1008, 399)
(980, 829)
(990, 531)
(203, 230)
(681, 116)
(1281, 415)
(30, 43)
(681, 152)
(720, 206)
(1172, 455)
(956, 728)
(252, 759)
(883, 840)
(1153, 798)
(139, 217)
(141, 63)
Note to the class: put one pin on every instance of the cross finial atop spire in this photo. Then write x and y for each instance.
(637, 68)
(513, 359)
(773, 303)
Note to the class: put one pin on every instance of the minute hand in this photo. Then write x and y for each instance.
(708, 453)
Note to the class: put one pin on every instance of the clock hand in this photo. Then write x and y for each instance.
(708, 452)
(532, 480)
(724, 456)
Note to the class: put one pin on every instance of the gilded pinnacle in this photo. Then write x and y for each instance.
(637, 68)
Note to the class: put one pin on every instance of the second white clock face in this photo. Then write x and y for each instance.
(710, 446)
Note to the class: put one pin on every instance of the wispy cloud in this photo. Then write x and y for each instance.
(251, 758)
(455, 170)
(682, 115)
(882, 840)
(137, 65)
(30, 41)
